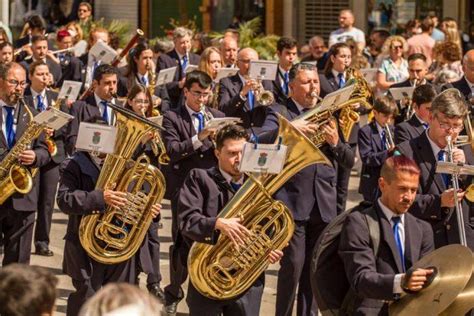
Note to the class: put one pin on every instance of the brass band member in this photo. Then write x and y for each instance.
(78, 197)
(287, 52)
(310, 194)
(6, 53)
(203, 195)
(188, 144)
(17, 213)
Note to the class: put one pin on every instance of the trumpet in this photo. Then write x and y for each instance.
(157, 146)
(262, 96)
(315, 98)
(389, 136)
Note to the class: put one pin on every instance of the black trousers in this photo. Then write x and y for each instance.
(89, 276)
(246, 305)
(48, 185)
(342, 184)
(295, 269)
(17, 227)
(154, 249)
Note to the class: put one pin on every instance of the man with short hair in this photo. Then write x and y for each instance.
(287, 52)
(39, 46)
(189, 145)
(377, 39)
(84, 13)
(203, 196)
(435, 200)
(95, 105)
(417, 70)
(421, 101)
(318, 51)
(40, 98)
(229, 49)
(347, 30)
(423, 43)
(466, 84)
(181, 56)
(237, 97)
(27, 290)
(377, 279)
(310, 194)
(17, 213)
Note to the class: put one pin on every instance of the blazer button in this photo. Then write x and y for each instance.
(252, 124)
(448, 227)
(201, 155)
(208, 238)
(433, 216)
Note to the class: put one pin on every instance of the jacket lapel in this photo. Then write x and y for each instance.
(187, 122)
(376, 136)
(23, 120)
(413, 240)
(387, 233)
(293, 111)
(426, 153)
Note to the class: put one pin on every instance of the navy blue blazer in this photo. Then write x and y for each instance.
(169, 60)
(372, 277)
(280, 96)
(177, 134)
(24, 202)
(408, 130)
(313, 188)
(373, 155)
(427, 205)
(232, 104)
(461, 85)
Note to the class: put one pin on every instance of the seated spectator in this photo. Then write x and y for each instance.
(120, 299)
(393, 67)
(27, 290)
(448, 62)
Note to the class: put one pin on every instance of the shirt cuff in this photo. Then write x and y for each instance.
(242, 97)
(397, 284)
(196, 142)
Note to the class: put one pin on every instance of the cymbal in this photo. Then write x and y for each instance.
(453, 269)
(465, 300)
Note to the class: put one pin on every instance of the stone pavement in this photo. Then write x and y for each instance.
(54, 264)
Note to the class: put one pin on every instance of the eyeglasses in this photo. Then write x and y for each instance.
(397, 47)
(141, 101)
(17, 83)
(447, 127)
(196, 94)
(82, 10)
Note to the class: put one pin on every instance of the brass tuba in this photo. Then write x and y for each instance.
(13, 175)
(362, 94)
(223, 272)
(116, 235)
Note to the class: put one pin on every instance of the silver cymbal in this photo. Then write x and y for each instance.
(453, 269)
(465, 300)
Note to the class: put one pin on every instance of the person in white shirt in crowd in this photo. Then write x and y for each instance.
(393, 67)
(347, 30)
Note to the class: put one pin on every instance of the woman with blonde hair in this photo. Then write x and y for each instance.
(393, 66)
(80, 45)
(210, 62)
(449, 27)
(448, 64)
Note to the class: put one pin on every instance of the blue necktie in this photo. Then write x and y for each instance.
(341, 79)
(40, 104)
(285, 84)
(105, 115)
(200, 118)
(251, 99)
(145, 81)
(96, 64)
(184, 65)
(235, 186)
(9, 127)
(384, 140)
(398, 240)
(446, 177)
(425, 125)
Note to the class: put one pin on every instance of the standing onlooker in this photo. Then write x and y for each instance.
(374, 49)
(412, 28)
(423, 43)
(347, 30)
(393, 68)
(85, 16)
(437, 34)
(450, 28)
(447, 65)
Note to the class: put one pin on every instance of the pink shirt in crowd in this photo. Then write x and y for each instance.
(422, 43)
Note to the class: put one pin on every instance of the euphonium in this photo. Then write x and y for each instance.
(13, 175)
(362, 94)
(116, 235)
(221, 271)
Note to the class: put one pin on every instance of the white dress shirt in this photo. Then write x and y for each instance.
(101, 108)
(195, 140)
(44, 98)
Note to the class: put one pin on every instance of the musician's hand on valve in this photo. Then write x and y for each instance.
(305, 127)
(207, 132)
(275, 255)
(115, 198)
(27, 157)
(447, 197)
(155, 210)
(249, 85)
(416, 279)
(232, 228)
(331, 134)
(458, 155)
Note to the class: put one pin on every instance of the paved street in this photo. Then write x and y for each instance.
(54, 263)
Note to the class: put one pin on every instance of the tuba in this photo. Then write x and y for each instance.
(13, 175)
(362, 94)
(116, 235)
(223, 272)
